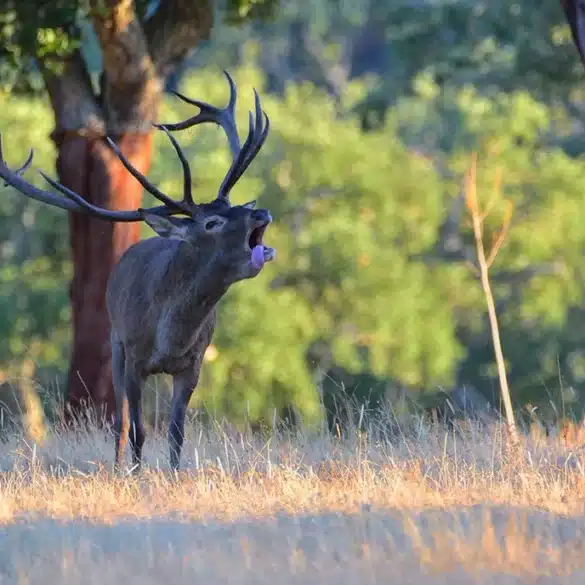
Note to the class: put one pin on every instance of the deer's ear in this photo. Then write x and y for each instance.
(167, 227)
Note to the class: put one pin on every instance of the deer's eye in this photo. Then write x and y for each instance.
(213, 224)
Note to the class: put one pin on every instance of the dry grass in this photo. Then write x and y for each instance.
(424, 507)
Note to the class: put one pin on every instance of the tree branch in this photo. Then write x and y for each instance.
(131, 87)
(575, 15)
(519, 278)
(174, 29)
(450, 243)
(334, 75)
(72, 98)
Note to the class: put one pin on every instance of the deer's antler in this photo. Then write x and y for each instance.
(259, 126)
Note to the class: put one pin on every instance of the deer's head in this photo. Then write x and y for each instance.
(229, 236)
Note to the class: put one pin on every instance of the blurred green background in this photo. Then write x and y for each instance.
(375, 108)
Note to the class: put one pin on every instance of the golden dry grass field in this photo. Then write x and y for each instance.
(427, 506)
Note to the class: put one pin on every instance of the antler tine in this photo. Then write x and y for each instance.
(20, 170)
(72, 201)
(187, 193)
(257, 134)
(261, 116)
(179, 205)
(13, 179)
(259, 127)
(224, 117)
(94, 210)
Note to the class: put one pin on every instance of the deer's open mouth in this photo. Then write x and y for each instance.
(256, 237)
(259, 253)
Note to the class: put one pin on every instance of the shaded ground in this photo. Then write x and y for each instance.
(478, 544)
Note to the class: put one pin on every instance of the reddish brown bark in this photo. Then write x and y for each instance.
(136, 58)
(89, 167)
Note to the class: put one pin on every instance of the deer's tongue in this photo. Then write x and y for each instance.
(258, 256)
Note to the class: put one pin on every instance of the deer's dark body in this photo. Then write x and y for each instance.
(161, 323)
(162, 294)
(166, 315)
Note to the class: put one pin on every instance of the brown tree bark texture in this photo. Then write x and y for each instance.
(137, 57)
(89, 167)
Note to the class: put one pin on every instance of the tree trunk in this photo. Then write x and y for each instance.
(89, 167)
(136, 57)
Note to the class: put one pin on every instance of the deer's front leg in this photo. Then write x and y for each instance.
(184, 384)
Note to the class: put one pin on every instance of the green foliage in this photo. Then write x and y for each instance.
(34, 32)
(355, 215)
(539, 315)
(238, 11)
(355, 210)
(497, 46)
(346, 225)
(355, 295)
(47, 31)
(34, 273)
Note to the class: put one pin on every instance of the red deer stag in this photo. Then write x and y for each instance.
(162, 294)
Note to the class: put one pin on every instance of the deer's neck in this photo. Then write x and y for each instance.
(201, 280)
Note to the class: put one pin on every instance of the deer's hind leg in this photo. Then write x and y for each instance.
(121, 424)
(133, 383)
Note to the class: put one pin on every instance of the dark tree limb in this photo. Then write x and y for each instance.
(174, 29)
(72, 98)
(131, 87)
(335, 76)
(522, 276)
(575, 15)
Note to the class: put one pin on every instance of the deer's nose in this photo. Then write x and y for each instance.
(262, 216)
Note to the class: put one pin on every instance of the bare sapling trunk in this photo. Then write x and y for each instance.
(484, 262)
